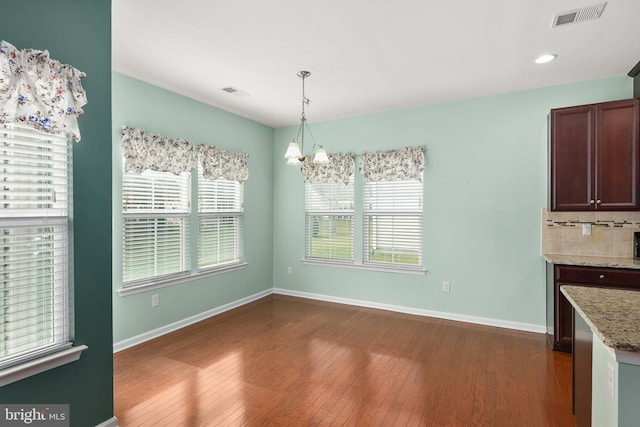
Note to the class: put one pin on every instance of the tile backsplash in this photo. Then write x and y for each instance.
(611, 233)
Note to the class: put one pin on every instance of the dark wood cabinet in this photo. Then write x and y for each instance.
(559, 309)
(595, 157)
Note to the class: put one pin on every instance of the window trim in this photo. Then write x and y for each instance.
(158, 284)
(37, 366)
(419, 271)
(159, 185)
(359, 214)
(315, 211)
(65, 351)
(194, 272)
(368, 212)
(205, 211)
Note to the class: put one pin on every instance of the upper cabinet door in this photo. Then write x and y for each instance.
(594, 155)
(617, 155)
(572, 158)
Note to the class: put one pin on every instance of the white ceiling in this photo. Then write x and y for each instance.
(365, 56)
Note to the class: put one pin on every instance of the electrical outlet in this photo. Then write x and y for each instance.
(586, 229)
(446, 286)
(155, 300)
(289, 271)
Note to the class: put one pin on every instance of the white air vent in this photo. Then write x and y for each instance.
(578, 15)
(234, 91)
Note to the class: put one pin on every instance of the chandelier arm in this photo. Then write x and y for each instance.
(299, 131)
(303, 124)
(299, 141)
(310, 134)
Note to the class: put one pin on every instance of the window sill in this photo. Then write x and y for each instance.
(42, 364)
(368, 267)
(132, 290)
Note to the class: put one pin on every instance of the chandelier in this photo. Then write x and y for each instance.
(296, 147)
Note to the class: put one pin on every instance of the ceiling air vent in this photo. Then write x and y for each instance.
(234, 91)
(578, 15)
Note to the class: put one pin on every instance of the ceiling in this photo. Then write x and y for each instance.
(365, 56)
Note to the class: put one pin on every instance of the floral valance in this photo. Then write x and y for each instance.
(338, 170)
(398, 165)
(149, 151)
(217, 163)
(40, 92)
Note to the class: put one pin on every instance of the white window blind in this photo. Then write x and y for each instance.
(220, 215)
(393, 223)
(34, 281)
(329, 221)
(155, 226)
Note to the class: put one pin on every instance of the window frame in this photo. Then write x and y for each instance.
(162, 189)
(232, 209)
(400, 204)
(36, 162)
(359, 244)
(193, 271)
(315, 213)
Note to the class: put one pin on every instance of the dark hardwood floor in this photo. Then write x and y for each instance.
(284, 361)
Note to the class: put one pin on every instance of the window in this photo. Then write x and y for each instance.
(393, 223)
(155, 226)
(329, 221)
(34, 228)
(220, 214)
(164, 241)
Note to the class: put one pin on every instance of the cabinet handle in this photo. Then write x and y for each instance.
(592, 201)
(602, 276)
(598, 201)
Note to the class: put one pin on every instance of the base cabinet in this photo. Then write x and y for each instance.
(560, 311)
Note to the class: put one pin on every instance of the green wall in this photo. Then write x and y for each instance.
(141, 105)
(78, 32)
(485, 185)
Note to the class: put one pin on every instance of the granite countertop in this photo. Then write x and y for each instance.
(612, 314)
(593, 261)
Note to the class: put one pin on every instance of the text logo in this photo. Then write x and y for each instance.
(34, 415)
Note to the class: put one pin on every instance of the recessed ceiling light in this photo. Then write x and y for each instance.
(547, 57)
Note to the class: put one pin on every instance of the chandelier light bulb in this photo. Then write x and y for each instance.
(293, 151)
(321, 155)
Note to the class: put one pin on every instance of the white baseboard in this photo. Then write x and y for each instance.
(155, 333)
(111, 422)
(528, 327)
(139, 339)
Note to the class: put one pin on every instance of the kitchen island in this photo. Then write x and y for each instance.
(606, 356)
